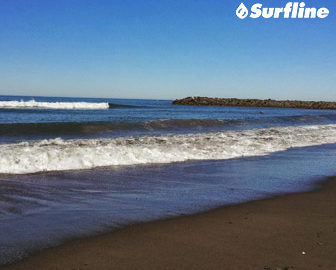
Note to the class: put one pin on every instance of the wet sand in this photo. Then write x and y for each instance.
(296, 231)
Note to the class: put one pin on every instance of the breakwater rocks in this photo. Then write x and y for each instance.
(206, 101)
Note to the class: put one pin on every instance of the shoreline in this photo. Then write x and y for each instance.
(258, 103)
(291, 231)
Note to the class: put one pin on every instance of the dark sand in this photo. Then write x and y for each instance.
(266, 234)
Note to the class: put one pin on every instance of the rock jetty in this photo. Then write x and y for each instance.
(206, 101)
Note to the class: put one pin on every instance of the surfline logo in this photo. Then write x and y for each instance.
(292, 10)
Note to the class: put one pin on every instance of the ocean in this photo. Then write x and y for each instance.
(73, 167)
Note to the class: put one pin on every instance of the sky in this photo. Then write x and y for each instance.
(164, 49)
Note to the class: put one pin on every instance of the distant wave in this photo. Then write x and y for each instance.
(15, 104)
(58, 154)
(54, 105)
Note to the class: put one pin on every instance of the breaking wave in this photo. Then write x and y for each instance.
(58, 154)
(54, 105)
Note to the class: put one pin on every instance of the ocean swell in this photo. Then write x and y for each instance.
(58, 154)
(58, 129)
(64, 128)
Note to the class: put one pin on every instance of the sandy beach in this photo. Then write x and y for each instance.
(295, 231)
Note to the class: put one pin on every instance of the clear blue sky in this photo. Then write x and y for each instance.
(163, 49)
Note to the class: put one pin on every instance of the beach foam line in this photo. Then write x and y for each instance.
(58, 154)
(54, 105)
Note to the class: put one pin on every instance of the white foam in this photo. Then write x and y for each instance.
(54, 105)
(58, 154)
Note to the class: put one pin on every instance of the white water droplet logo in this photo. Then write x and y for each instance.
(242, 11)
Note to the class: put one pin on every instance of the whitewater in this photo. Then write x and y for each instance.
(54, 105)
(58, 154)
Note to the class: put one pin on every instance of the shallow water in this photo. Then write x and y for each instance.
(42, 210)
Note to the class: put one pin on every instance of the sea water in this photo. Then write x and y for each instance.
(71, 167)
